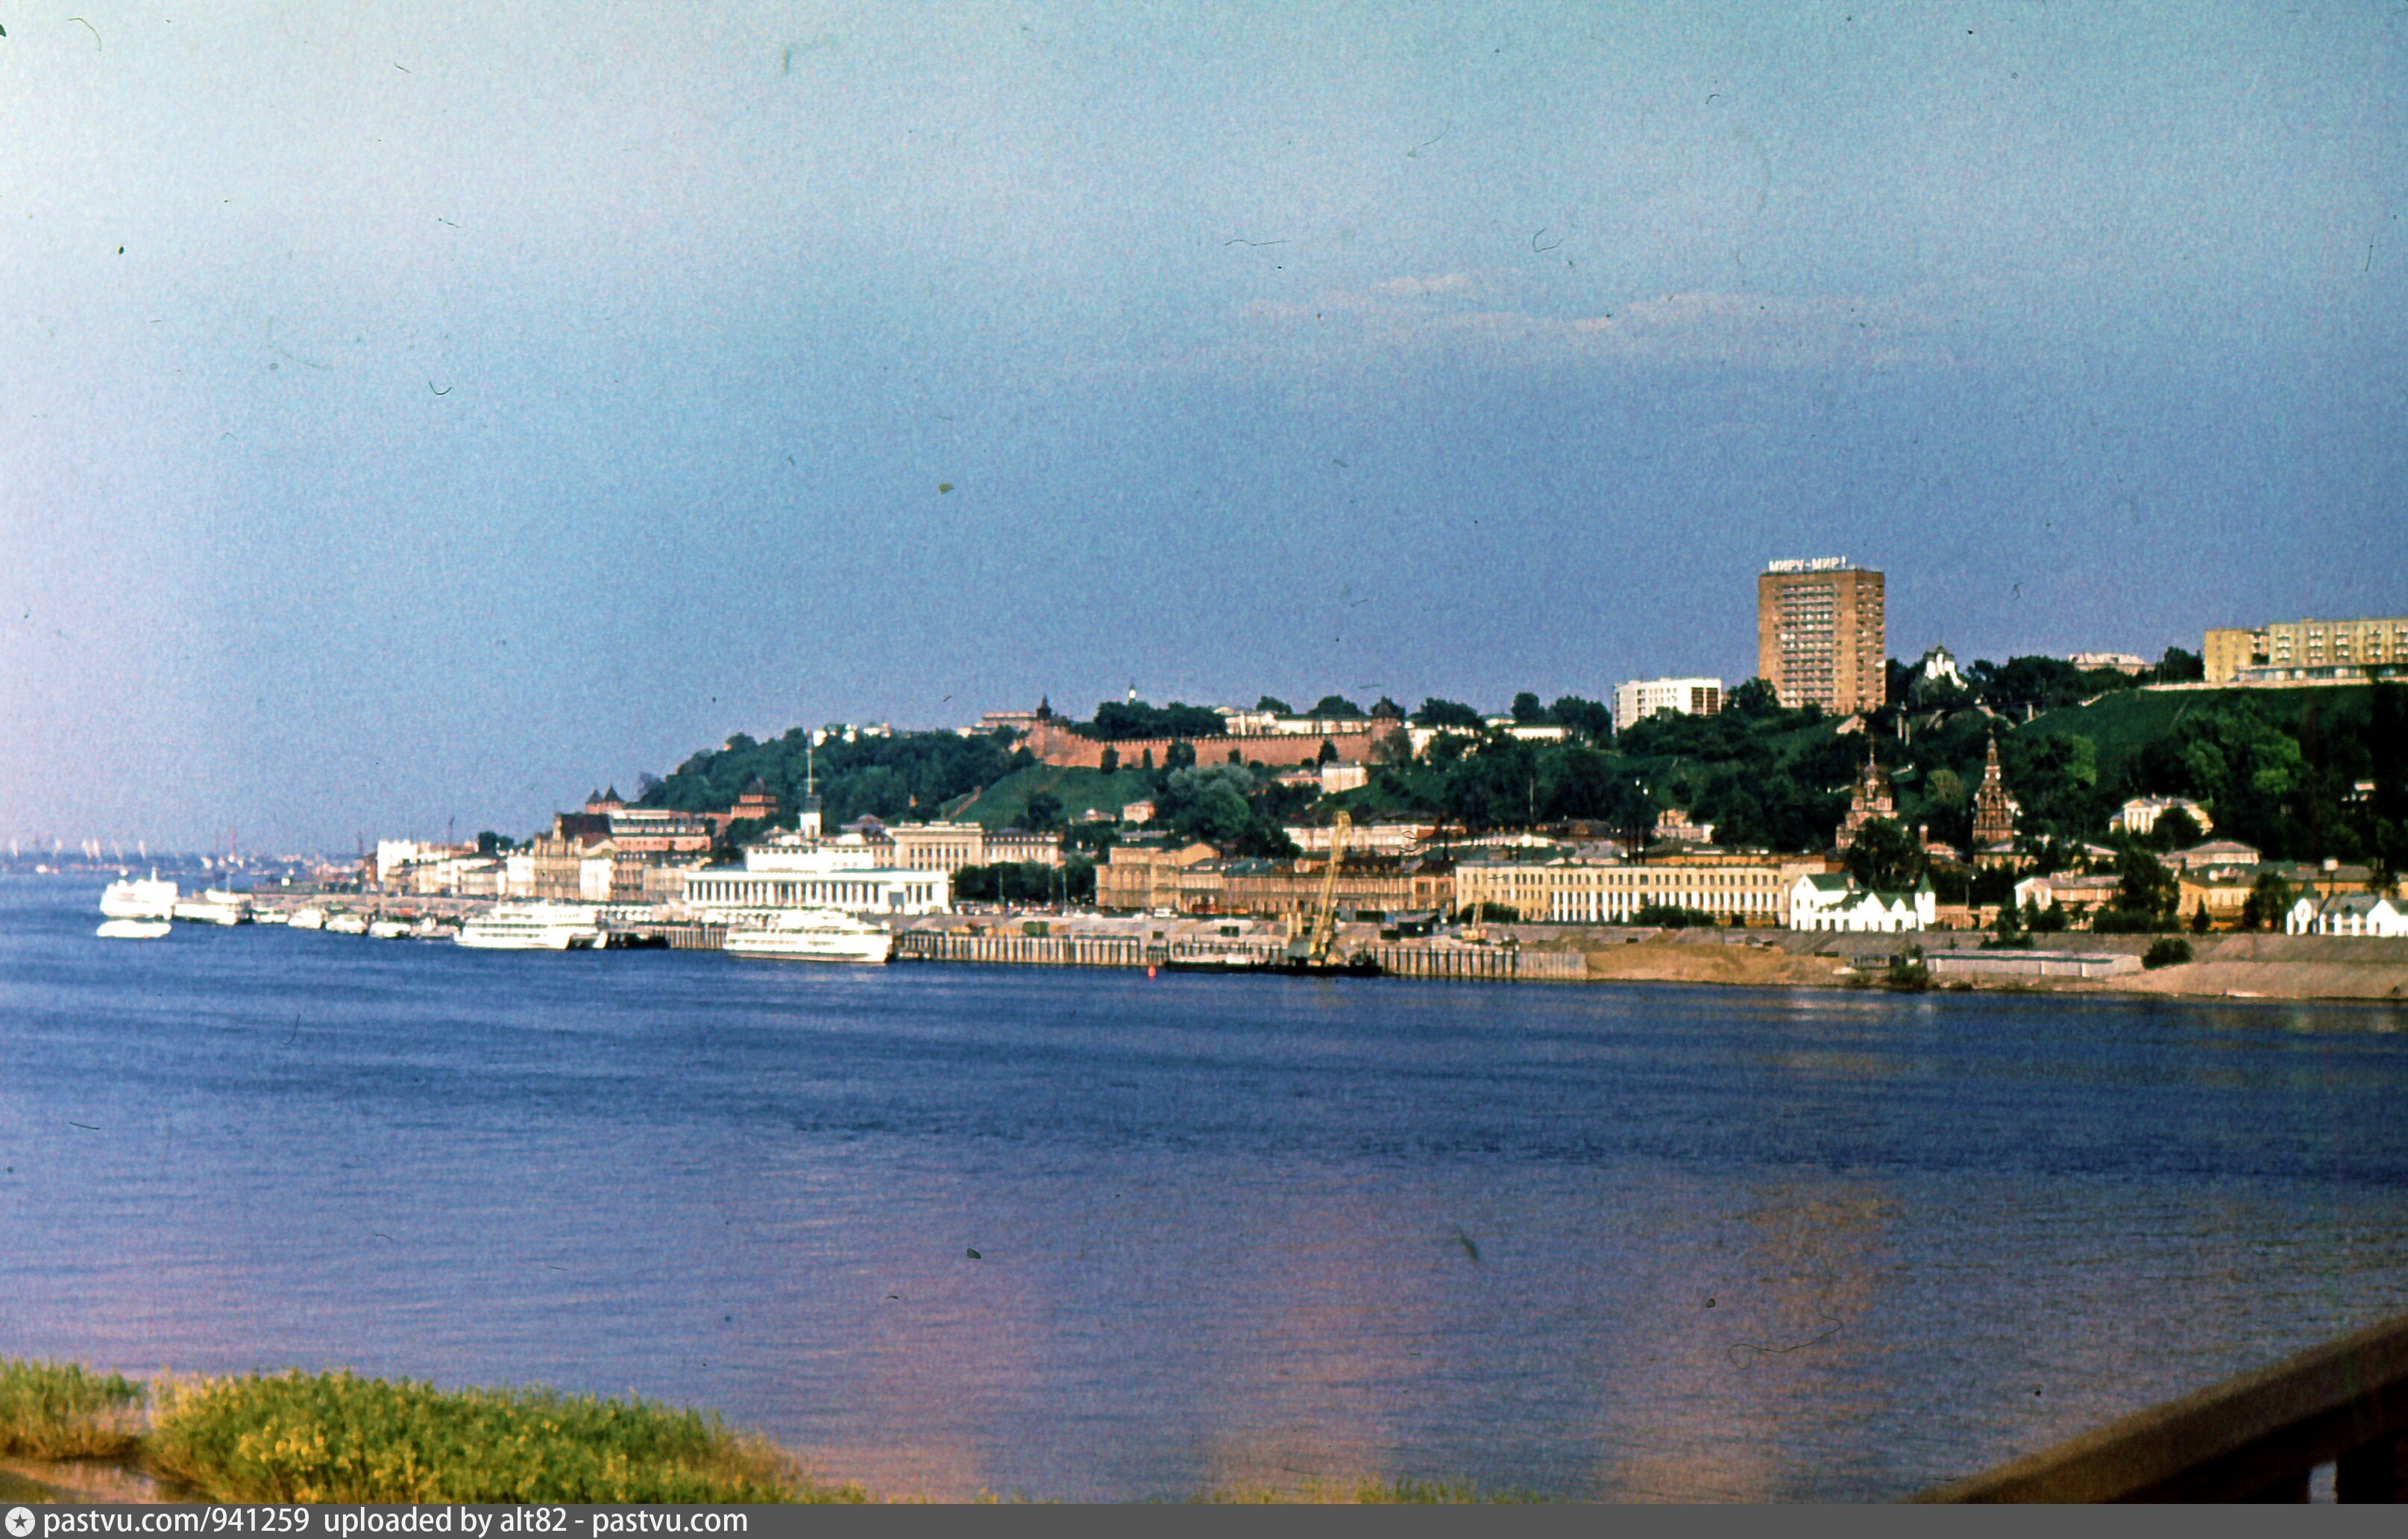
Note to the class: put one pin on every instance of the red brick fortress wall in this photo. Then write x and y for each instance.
(1054, 744)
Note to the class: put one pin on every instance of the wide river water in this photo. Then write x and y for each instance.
(1589, 1242)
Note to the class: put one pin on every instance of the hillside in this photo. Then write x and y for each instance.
(1005, 803)
(2120, 725)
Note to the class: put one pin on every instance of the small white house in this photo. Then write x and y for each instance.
(1834, 903)
(2347, 914)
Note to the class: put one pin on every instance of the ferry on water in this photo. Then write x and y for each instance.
(308, 918)
(140, 899)
(534, 927)
(133, 928)
(347, 924)
(214, 907)
(811, 935)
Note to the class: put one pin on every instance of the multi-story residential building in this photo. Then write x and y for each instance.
(1821, 637)
(1570, 889)
(1641, 698)
(2307, 649)
(637, 838)
(1146, 876)
(2064, 889)
(1020, 846)
(1288, 888)
(938, 847)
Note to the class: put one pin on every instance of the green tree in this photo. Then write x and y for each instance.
(1335, 704)
(1529, 711)
(1435, 712)
(1274, 705)
(2175, 830)
(2144, 885)
(1178, 756)
(1586, 717)
(1885, 857)
(2180, 667)
(2269, 902)
(1328, 754)
(1111, 763)
(1044, 812)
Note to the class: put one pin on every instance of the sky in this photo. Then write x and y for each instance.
(411, 418)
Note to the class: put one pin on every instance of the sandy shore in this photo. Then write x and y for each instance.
(2226, 966)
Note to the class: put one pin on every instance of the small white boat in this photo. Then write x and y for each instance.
(133, 928)
(270, 916)
(346, 924)
(308, 918)
(534, 927)
(389, 929)
(140, 899)
(811, 935)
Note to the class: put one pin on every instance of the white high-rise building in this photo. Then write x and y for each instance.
(1641, 698)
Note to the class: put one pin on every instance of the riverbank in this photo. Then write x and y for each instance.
(67, 1435)
(2223, 966)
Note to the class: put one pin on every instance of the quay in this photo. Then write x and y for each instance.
(2225, 964)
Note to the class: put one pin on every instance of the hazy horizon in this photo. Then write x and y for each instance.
(425, 416)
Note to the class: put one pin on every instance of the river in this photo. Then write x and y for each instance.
(1604, 1241)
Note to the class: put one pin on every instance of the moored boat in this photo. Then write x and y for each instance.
(811, 935)
(308, 918)
(346, 924)
(214, 907)
(151, 898)
(133, 928)
(533, 927)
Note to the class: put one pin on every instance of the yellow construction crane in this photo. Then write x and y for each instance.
(1314, 949)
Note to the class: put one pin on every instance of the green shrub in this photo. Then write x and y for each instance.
(56, 1410)
(2168, 952)
(336, 1437)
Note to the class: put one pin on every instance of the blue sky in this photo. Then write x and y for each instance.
(487, 404)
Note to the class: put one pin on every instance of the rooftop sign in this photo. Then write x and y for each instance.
(1819, 563)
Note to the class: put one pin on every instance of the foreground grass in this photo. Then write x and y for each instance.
(56, 1410)
(338, 1437)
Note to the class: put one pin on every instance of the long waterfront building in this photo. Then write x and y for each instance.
(1571, 891)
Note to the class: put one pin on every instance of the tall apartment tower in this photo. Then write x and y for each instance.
(1819, 633)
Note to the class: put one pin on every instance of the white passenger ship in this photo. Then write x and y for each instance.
(534, 927)
(140, 899)
(214, 907)
(810, 935)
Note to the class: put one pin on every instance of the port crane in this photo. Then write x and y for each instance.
(1310, 951)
